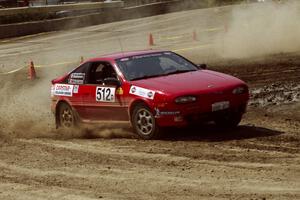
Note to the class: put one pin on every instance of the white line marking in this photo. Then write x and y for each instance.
(13, 71)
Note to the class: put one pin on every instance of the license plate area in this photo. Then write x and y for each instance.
(222, 105)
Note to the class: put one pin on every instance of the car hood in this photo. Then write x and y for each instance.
(189, 82)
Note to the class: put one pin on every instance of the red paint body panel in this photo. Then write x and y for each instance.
(207, 86)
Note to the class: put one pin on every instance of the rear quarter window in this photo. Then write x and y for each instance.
(79, 75)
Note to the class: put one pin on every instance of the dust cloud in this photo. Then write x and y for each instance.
(261, 29)
(25, 111)
(25, 108)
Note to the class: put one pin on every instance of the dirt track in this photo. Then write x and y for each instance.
(259, 160)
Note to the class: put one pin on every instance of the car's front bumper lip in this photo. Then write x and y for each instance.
(186, 115)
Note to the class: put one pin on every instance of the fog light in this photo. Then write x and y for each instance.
(185, 99)
(178, 119)
(239, 90)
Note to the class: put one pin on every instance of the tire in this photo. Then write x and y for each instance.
(229, 120)
(144, 124)
(66, 117)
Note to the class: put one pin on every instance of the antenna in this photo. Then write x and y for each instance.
(121, 46)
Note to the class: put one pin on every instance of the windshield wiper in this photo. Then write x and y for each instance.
(157, 75)
(180, 71)
(145, 77)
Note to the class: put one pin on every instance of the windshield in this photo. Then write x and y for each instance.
(154, 65)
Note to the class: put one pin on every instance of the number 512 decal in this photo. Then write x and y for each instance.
(105, 94)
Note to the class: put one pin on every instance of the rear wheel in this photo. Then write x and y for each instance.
(229, 120)
(66, 116)
(143, 122)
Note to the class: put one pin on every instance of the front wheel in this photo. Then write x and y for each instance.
(229, 120)
(144, 123)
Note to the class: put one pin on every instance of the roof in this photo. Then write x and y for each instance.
(119, 55)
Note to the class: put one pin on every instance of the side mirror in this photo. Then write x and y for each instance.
(202, 66)
(112, 81)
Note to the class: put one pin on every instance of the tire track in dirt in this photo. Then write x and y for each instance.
(80, 165)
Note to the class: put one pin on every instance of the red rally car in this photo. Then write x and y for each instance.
(150, 89)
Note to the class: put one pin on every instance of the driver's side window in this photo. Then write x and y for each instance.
(99, 71)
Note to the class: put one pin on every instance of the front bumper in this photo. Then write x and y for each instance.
(186, 114)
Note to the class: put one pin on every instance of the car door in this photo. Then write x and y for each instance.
(104, 99)
(76, 80)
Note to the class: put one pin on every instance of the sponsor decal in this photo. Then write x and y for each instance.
(120, 91)
(141, 56)
(52, 90)
(124, 59)
(76, 89)
(105, 94)
(147, 55)
(133, 90)
(169, 112)
(63, 90)
(150, 94)
(75, 81)
(76, 78)
(165, 113)
(142, 92)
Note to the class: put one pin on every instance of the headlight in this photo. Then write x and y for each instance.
(239, 90)
(185, 99)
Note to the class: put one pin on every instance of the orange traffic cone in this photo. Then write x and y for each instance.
(31, 71)
(195, 36)
(151, 40)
